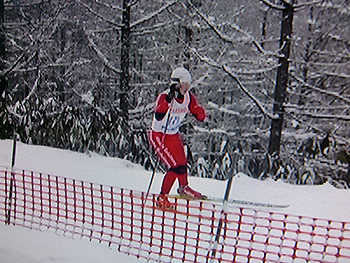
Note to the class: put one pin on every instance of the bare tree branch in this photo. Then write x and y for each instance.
(110, 6)
(255, 100)
(53, 65)
(308, 4)
(35, 86)
(102, 56)
(98, 15)
(326, 116)
(39, 38)
(224, 36)
(240, 84)
(153, 14)
(152, 29)
(272, 5)
(334, 94)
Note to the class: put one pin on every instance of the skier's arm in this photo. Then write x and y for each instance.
(196, 109)
(162, 106)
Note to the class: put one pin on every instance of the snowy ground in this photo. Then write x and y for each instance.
(24, 245)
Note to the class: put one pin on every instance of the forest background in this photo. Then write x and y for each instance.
(273, 76)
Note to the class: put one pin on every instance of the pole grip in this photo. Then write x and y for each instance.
(14, 150)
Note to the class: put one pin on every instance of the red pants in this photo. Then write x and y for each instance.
(170, 150)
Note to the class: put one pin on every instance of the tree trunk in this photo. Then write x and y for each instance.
(307, 57)
(7, 128)
(2, 43)
(263, 28)
(282, 78)
(125, 49)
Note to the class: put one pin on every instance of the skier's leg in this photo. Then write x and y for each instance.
(168, 182)
(181, 170)
(172, 153)
(184, 189)
(163, 146)
(181, 174)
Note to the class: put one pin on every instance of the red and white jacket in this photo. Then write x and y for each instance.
(180, 108)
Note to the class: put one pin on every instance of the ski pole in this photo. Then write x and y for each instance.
(218, 231)
(158, 159)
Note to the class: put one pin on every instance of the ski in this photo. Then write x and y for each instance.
(181, 211)
(249, 203)
(232, 201)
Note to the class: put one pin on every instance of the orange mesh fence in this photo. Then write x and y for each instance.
(128, 221)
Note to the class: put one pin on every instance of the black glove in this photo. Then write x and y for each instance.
(174, 90)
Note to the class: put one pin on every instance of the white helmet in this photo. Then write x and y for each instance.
(181, 75)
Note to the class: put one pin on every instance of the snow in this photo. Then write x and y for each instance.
(25, 245)
(20, 245)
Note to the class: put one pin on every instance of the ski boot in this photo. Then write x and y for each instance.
(189, 193)
(164, 203)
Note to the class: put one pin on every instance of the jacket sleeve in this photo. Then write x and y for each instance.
(196, 109)
(161, 107)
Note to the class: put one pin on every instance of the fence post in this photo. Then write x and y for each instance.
(10, 194)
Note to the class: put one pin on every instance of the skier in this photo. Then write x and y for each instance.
(171, 108)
